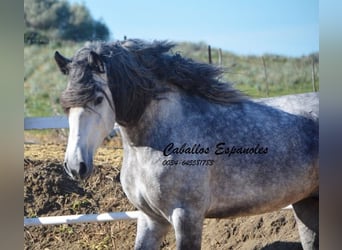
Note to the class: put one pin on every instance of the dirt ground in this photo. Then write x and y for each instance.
(48, 191)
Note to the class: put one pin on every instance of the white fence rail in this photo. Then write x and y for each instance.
(58, 122)
(81, 218)
(31, 123)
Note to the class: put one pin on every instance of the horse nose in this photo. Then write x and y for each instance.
(73, 173)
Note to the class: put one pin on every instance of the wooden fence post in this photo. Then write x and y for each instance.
(266, 77)
(209, 54)
(313, 74)
(220, 57)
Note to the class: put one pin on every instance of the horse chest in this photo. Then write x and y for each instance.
(139, 179)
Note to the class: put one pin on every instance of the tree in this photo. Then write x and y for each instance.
(59, 20)
(46, 14)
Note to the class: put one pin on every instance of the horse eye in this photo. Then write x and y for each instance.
(98, 100)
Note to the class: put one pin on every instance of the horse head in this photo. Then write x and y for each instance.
(88, 103)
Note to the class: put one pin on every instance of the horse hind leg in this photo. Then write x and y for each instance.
(188, 229)
(307, 217)
(150, 232)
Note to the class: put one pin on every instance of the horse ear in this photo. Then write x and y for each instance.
(62, 63)
(96, 62)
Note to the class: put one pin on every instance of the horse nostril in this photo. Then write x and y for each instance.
(74, 174)
(65, 167)
(83, 169)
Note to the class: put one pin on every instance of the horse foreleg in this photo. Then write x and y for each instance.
(306, 213)
(149, 232)
(188, 229)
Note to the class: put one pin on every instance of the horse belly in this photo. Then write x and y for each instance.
(252, 195)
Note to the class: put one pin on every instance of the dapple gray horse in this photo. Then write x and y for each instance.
(306, 104)
(194, 147)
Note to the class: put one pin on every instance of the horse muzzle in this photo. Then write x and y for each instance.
(79, 171)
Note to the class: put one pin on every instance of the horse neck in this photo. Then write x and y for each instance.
(161, 112)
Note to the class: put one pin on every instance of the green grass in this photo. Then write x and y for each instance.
(43, 83)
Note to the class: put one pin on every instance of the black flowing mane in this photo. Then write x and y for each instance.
(138, 71)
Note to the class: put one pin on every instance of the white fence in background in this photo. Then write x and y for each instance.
(58, 122)
(31, 123)
(81, 218)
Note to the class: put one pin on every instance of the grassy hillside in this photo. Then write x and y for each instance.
(43, 83)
